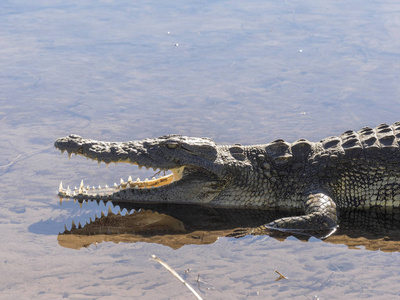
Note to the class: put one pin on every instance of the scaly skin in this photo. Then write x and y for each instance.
(357, 170)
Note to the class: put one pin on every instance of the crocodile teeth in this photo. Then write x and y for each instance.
(104, 192)
(81, 188)
(61, 189)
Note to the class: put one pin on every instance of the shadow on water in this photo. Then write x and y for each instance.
(177, 225)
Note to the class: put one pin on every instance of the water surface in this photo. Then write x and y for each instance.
(236, 72)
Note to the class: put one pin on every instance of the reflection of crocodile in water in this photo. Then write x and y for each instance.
(175, 225)
(357, 170)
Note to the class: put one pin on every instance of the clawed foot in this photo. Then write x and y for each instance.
(240, 232)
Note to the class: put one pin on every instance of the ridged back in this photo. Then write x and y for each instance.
(381, 140)
(379, 143)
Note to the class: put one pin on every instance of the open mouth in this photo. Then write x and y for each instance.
(175, 164)
(86, 192)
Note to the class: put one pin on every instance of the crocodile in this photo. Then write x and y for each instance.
(357, 170)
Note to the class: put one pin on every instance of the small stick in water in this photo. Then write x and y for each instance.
(281, 276)
(172, 271)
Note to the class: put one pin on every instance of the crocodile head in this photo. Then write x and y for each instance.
(198, 175)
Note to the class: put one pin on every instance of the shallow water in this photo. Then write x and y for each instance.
(232, 71)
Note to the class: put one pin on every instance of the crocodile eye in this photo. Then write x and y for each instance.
(172, 144)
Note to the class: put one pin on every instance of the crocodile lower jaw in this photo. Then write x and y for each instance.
(89, 192)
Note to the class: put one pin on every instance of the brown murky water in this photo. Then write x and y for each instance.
(232, 71)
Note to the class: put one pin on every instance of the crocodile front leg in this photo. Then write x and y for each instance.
(320, 214)
(319, 220)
